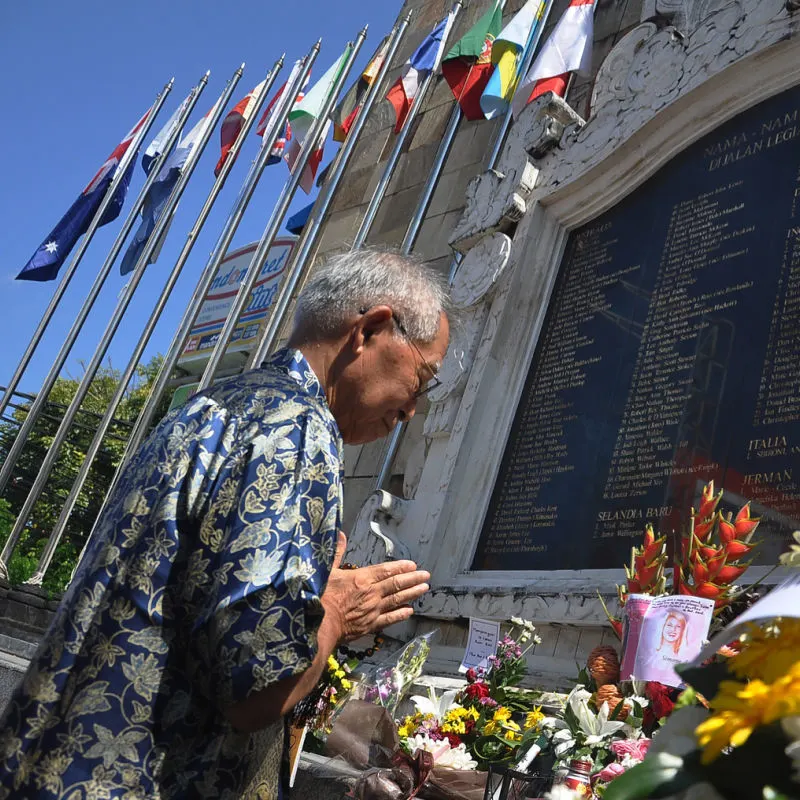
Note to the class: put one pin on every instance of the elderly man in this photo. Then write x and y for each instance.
(211, 596)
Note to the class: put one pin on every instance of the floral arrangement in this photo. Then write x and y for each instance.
(707, 560)
(317, 711)
(753, 718)
(386, 685)
(487, 721)
(590, 729)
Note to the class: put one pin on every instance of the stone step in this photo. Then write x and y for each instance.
(17, 646)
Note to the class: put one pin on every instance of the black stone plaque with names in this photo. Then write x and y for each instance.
(670, 356)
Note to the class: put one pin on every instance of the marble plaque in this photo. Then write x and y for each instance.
(670, 356)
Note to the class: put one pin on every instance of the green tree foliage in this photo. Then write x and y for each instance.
(71, 457)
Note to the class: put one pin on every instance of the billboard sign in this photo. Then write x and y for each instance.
(219, 299)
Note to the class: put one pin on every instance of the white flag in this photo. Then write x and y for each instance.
(567, 49)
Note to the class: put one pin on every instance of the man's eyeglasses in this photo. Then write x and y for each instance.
(433, 382)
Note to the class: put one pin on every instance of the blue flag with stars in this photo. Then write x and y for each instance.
(53, 251)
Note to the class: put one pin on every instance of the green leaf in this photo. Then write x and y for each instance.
(657, 776)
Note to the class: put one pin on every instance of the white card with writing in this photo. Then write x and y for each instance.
(484, 634)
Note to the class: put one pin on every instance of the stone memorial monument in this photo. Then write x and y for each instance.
(630, 303)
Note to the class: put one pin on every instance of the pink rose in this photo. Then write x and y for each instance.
(637, 750)
(608, 773)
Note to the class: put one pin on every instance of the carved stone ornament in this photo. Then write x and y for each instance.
(684, 15)
(478, 273)
(498, 199)
(373, 537)
(539, 129)
(495, 201)
(652, 67)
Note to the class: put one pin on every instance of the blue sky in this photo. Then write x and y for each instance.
(75, 78)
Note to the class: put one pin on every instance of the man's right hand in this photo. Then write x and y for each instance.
(366, 600)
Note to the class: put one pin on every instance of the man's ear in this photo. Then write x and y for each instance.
(372, 321)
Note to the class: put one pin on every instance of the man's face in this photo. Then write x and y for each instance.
(379, 385)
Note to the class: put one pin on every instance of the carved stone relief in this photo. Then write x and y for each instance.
(374, 535)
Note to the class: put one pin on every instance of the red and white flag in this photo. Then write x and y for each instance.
(312, 165)
(279, 148)
(567, 49)
(234, 122)
(117, 153)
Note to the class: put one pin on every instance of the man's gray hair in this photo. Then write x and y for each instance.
(349, 283)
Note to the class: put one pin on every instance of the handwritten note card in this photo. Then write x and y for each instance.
(484, 635)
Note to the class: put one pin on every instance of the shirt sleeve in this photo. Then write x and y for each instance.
(274, 518)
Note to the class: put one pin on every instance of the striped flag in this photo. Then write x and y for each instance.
(425, 59)
(507, 52)
(49, 257)
(567, 49)
(234, 122)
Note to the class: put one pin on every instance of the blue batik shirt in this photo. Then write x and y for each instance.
(201, 585)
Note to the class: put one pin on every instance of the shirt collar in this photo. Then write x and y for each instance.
(294, 363)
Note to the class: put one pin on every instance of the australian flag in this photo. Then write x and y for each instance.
(52, 253)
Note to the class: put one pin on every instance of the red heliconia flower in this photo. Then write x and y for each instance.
(737, 549)
(730, 573)
(744, 523)
(649, 536)
(617, 626)
(700, 572)
(634, 587)
(708, 590)
(702, 530)
(707, 552)
(684, 589)
(654, 549)
(716, 564)
(647, 574)
(727, 531)
(709, 503)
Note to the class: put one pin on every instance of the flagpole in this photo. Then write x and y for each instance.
(50, 379)
(397, 150)
(278, 212)
(82, 247)
(127, 375)
(407, 246)
(527, 60)
(300, 259)
(111, 328)
(274, 129)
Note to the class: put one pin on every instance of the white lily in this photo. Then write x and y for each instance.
(438, 707)
(598, 727)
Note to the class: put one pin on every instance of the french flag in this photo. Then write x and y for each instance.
(49, 257)
(425, 59)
